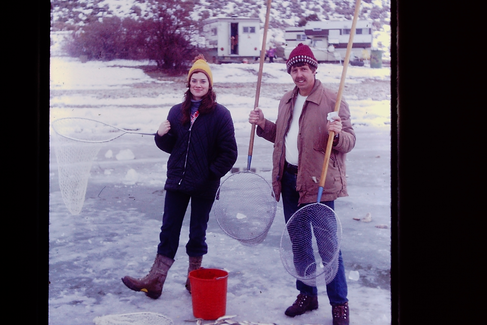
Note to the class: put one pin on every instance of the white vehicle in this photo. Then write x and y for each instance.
(232, 39)
(329, 39)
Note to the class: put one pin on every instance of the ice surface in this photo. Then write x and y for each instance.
(116, 233)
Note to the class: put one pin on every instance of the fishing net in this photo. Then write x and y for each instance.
(74, 161)
(310, 244)
(142, 318)
(245, 207)
(77, 141)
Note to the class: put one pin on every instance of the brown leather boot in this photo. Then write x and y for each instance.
(302, 304)
(153, 282)
(194, 264)
(341, 314)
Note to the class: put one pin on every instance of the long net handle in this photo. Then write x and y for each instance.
(259, 82)
(137, 132)
(331, 134)
(124, 130)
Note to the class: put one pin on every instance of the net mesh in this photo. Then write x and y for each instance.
(310, 244)
(143, 318)
(75, 158)
(245, 207)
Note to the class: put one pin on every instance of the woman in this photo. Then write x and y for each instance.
(199, 136)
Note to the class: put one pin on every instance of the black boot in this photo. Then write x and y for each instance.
(341, 314)
(302, 304)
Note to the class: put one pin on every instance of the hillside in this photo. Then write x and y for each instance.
(68, 15)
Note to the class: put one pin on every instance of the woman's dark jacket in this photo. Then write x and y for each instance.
(201, 154)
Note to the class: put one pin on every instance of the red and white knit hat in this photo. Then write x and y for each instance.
(302, 53)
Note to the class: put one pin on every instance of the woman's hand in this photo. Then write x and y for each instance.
(164, 128)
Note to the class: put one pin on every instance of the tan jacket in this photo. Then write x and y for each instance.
(312, 141)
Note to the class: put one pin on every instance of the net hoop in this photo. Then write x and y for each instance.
(142, 318)
(245, 207)
(310, 244)
(82, 129)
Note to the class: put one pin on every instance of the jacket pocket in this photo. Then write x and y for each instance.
(333, 183)
(336, 173)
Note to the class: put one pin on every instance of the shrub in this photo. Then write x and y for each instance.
(164, 36)
(100, 40)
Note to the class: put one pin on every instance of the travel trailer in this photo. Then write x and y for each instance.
(329, 39)
(232, 39)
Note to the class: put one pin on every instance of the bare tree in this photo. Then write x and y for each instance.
(169, 29)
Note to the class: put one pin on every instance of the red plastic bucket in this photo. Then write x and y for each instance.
(209, 293)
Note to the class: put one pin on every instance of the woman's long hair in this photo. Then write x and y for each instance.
(208, 103)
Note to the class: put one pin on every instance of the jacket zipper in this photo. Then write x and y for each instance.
(187, 154)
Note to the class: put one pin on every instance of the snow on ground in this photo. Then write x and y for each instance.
(116, 233)
(71, 74)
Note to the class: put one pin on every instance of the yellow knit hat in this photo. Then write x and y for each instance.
(200, 65)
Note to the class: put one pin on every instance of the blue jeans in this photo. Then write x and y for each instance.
(175, 207)
(337, 289)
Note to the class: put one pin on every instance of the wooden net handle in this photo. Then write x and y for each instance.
(259, 82)
(331, 134)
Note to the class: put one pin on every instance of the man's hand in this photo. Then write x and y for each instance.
(257, 117)
(335, 126)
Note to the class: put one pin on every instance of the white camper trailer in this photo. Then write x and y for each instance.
(329, 39)
(232, 39)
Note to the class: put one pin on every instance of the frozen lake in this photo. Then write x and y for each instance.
(116, 233)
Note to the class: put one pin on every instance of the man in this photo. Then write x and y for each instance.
(300, 136)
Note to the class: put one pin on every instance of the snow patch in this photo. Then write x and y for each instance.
(125, 154)
(354, 275)
(131, 177)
